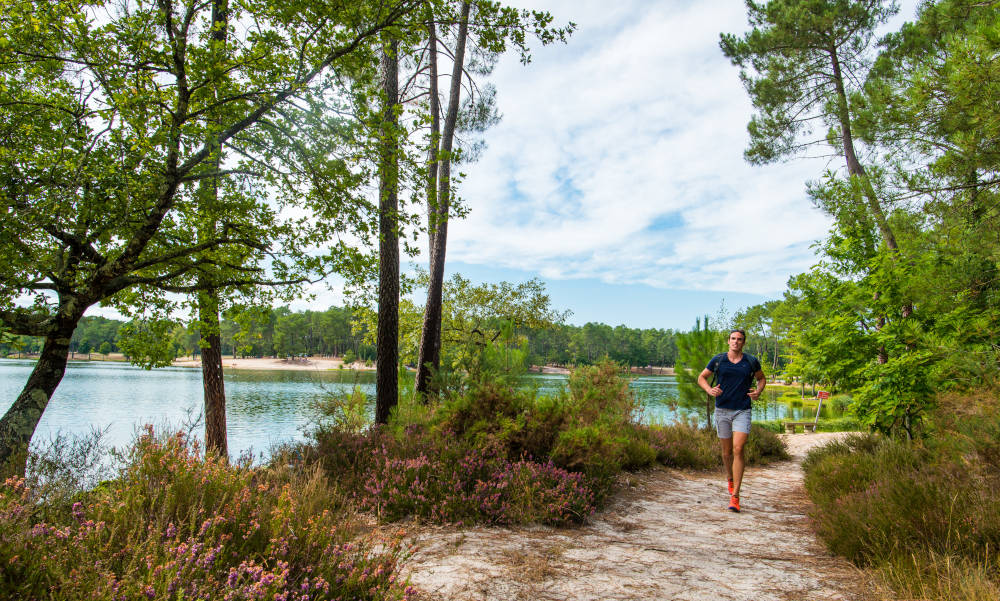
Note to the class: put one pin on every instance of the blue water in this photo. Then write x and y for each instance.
(264, 408)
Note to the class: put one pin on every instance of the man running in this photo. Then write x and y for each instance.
(735, 371)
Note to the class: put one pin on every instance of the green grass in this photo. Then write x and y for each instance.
(836, 424)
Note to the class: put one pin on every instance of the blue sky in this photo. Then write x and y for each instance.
(617, 175)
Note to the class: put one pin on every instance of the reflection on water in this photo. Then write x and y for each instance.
(269, 407)
(263, 408)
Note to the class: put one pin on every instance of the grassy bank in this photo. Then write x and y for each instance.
(921, 515)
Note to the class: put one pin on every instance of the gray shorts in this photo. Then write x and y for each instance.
(727, 420)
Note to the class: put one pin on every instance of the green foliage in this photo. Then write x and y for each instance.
(473, 316)
(593, 450)
(347, 411)
(896, 395)
(93, 331)
(593, 342)
(763, 447)
(787, 66)
(146, 343)
(919, 512)
(694, 350)
(685, 446)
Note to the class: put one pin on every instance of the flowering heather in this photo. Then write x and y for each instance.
(479, 486)
(495, 454)
(175, 525)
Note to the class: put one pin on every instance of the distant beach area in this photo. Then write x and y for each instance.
(316, 364)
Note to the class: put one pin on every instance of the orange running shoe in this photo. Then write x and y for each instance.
(734, 503)
(731, 488)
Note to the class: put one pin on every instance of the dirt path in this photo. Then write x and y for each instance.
(667, 536)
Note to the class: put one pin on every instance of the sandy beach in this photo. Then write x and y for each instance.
(270, 363)
(320, 364)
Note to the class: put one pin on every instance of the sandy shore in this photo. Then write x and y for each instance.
(269, 363)
(638, 371)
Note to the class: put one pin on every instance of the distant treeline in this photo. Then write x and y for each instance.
(587, 344)
(284, 333)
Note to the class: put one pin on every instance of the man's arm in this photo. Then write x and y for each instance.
(761, 383)
(703, 382)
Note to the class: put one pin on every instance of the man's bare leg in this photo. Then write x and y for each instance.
(736, 462)
(727, 456)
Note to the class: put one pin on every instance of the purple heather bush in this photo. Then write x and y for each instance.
(491, 452)
(176, 525)
(480, 485)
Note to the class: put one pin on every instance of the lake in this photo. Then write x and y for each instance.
(263, 407)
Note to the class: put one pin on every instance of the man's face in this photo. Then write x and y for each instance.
(736, 341)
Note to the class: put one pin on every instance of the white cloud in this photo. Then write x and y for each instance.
(638, 120)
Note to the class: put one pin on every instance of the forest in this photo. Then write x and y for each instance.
(285, 333)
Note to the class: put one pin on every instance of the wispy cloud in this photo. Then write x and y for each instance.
(619, 158)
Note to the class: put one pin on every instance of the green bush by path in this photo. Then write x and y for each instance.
(494, 453)
(922, 514)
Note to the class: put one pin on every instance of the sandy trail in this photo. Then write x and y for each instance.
(666, 536)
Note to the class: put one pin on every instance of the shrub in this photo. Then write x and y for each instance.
(685, 446)
(175, 525)
(478, 486)
(921, 513)
(840, 402)
(763, 447)
(592, 450)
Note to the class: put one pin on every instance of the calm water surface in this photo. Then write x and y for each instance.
(263, 407)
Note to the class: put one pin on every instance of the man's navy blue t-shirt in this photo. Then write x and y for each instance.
(734, 379)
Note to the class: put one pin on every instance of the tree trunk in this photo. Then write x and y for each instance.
(855, 168)
(435, 137)
(387, 340)
(216, 440)
(429, 356)
(19, 422)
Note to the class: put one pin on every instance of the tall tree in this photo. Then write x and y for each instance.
(483, 29)
(103, 120)
(429, 357)
(213, 384)
(799, 64)
(387, 342)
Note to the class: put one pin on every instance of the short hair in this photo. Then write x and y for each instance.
(740, 331)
